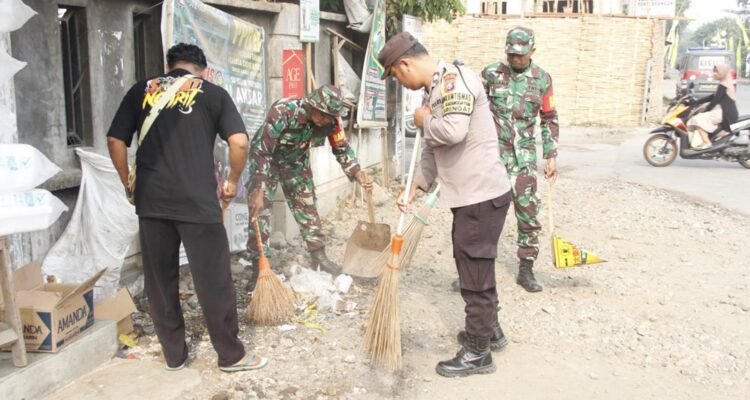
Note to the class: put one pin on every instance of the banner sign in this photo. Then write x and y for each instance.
(371, 106)
(293, 68)
(309, 21)
(653, 8)
(234, 51)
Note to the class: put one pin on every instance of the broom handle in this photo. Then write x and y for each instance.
(549, 207)
(409, 179)
(370, 208)
(258, 238)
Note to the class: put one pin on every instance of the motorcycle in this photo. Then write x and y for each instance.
(661, 148)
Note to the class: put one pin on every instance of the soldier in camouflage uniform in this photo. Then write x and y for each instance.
(519, 90)
(280, 153)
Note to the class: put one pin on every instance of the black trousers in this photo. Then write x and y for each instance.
(476, 230)
(208, 251)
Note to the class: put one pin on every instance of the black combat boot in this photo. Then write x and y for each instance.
(319, 259)
(526, 277)
(498, 341)
(473, 358)
(253, 279)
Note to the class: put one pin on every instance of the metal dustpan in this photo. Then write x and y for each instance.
(367, 242)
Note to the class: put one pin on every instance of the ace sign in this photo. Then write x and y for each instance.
(294, 73)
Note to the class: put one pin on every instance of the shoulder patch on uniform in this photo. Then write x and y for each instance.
(449, 82)
(456, 97)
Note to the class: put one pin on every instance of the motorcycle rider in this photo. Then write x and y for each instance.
(720, 113)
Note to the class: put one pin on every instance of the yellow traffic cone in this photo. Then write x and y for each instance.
(566, 254)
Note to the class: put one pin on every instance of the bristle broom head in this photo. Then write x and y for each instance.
(272, 303)
(382, 338)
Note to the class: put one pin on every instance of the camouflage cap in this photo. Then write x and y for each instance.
(327, 99)
(520, 41)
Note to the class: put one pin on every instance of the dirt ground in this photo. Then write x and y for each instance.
(667, 316)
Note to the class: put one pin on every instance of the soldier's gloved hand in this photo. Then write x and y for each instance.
(550, 170)
(255, 204)
(364, 180)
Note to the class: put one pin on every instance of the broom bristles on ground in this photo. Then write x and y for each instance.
(382, 338)
(272, 302)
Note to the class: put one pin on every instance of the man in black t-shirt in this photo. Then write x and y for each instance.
(175, 199)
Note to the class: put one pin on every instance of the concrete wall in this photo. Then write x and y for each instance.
(111, 71)
(40, 99)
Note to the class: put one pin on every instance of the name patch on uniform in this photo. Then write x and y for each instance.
(458, 103)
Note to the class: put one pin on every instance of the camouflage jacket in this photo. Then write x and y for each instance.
(515, 100)
(284, 141)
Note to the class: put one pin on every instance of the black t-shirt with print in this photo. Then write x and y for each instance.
(175, 164)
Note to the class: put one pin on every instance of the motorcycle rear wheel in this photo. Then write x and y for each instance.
(660, 150)
(745, 162)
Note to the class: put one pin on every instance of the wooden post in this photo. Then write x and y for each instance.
(12, 314)
(335, 55)
(308, 68)
(361, 196)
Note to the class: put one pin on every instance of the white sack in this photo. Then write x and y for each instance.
(350, 82)
(360, 18)
(30, 211)
(13, 14)
(8, 66)
(100, 231)
(23, 167)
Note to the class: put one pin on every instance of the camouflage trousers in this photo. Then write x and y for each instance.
(299, 190)
(523, 183)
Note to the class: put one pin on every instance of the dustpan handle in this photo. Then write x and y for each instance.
(370, 208)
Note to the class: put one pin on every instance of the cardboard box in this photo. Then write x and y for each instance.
(52, 314)
(118, 309)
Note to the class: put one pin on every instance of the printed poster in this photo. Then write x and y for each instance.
(371, 106)
(309, 21)
(293, 70)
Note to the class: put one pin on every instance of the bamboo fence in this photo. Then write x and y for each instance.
(598, 64)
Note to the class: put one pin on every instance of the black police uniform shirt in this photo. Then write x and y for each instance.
(175, 166)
